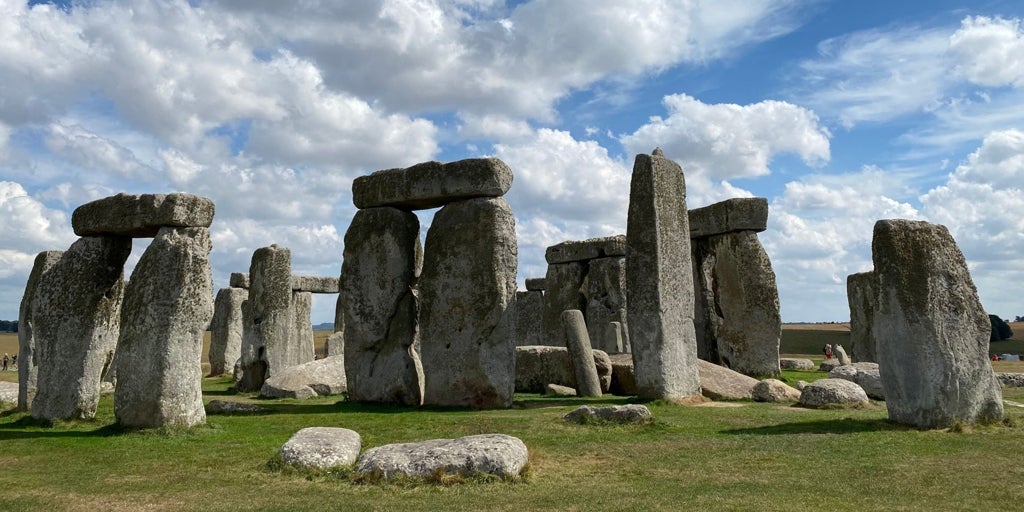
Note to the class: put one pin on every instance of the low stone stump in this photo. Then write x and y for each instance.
(774, 390)
(321, 448)
(829, 365)
(226, 407)
(1011, 380)
(721, 383)
(865, 375)
(787, 363)
(556, 390)
(307, 380)
(540, 365)
(833, 393)
(486, 454)
(624, 414)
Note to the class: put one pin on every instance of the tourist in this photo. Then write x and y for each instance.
(7, 359)
(827, 350)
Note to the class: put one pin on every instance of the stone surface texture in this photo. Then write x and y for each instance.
(788, 363)
(493, 454)
(622, 383)
(267, 327)
(564, 291)
(720, 383)
(536, 284)
(239, 280)
(380, 307)
(828, 365)
(467, 318)
(141, 215)
(774, 390)
(432, 184)
(558, 390)
(832, 392)
(315, 284)
(584, 250)
(540, 365)
(168, 304)
(659, 282)
(27, 365)
(315, 378)
(321, 448)
(302, 326)
(226, 329)
(581, 355)
(76, 317)
(931, 330)
(865, 375)
(729, 216)
(605, 293)
(840, 354)
(625, 414)
(229, 407)
(860, 293)
(529, 314)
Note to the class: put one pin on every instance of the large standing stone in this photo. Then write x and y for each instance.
(380, 305)
(529, 312)
(860, 293)
(75, 322)
(659, 282)
(432, 184)
(931, 330)
(267, 334)
(564, 291)
(302, 325)
(606, 296)
(141, 216)
(580, 353)
(28, 367)
(167, 305)
(226, 329)
(467, 288)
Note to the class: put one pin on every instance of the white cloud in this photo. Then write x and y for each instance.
(989, 51)
(83, 148)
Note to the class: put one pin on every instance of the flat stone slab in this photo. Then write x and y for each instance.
(788, 363)
(536, 284)
(321, 448)
(721, 383)
(491, 454)
(239, 280)
(432, 184)
(315, 378)
(583, 250)
(556, 390)
(774, 390)
(141, 215)
(227, 407)
(832, 392)
(314, 284)
(625, 414)
(9, 392)
(731, 215)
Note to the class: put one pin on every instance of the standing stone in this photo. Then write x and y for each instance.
(302, 325)
(659, 282)
(467, 288)
(860, 293)
(167, 306)
(267, 334)
(380, 305)
(613, 336)
(28, 367)
(75, 322)
(624, 330)
(529, 312)
(226, 329)
(931, 330)
(580, 353)
(564, 291)
(606, 295)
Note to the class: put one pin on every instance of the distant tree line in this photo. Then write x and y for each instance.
(8, 326)
(1000, 329)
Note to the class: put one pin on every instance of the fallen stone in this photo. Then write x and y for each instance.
(537, 366)
(314, 284)
(432, 184)
(860, 294)
(865, 375)
(581, 355)
(721, 383)
(487, 454)
(801, 385)
(787, 363)
(832, 393)
(556, 390)
(226, 329)
(239, 280)
(141, 215)
(828, 365)
(27, 367)
(536, 284)
(321, 448)
(315, 378)
(583, 250)
(774, 390)
(227, 407)
(624, 414)
(729, 216)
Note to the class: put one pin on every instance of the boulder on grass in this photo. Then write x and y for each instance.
(321, 448)
(228, 407)
(787, 363)
(865, 375)
(833, 393)
(556, 390)
(721, 383)
(632, 413)
(315, 378)
(490, 454)
(774, 390)
(828, 365)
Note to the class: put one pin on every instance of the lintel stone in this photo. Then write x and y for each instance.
(583, 250)
(432, 184)
(737, 214)
(536, 284)
(314, 284)
(141, 215)
(239, 280)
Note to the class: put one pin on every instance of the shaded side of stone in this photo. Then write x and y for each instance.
(268, 325)
(605, 293)
(141, 215)
(583, 250)
(315, 284)
(529, 314)
(226, 329)
(302, 325)
(28, 367)
(860, 293)
(536, 284)
(729, 216)
(432, 184)
(564, 291)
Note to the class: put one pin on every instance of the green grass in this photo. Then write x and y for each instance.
(752, 457)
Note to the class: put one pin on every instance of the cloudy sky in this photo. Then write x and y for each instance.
(840, 113)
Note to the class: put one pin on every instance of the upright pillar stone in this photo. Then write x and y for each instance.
(168, 304)
(302, 324)
(226, 329)
(28, 367)
(659, 282)
(581, 354)
(467, 288)
(860, 293)
(75, 322)
(606, 296)
(380, 307)
(529, 315)
(564, 291)
(265, 344)
(931, 329)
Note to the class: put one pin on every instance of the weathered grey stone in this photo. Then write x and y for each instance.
(828, 365)
(860, 293)
(832, 393)
(75, 322)
(865, 375)
(315, 284)
(28, 368)
(467, 318)
(840, 355)
(623, 383)
(537, 366)
(493, 454)
(239, 280)
(302, 326)
(432, 184)
(632, 413)
(315, 378)
(529, 314)
(613, 336)
(1010, 380)
(787, 363)
(141, 215)
(9, 392)
(774, 390)
(167, 305)
(729, 216)
(564, 291)
(321, 448)
(581, 354)
(623, 317)
(605, 292)
(335, 345)
(381, 307)
(801, 385)
(583, 250)
(226, 329)
(659, 282)
(106, 388)
(228, 407)
(557, 390)
(536, 284)
(737, 304)
(931, 330)
(267, 325)
(721, 383)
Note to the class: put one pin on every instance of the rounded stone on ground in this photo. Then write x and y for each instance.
(492, 454)
(632, 413)
(557, 390)
(833, 392)
(865, 375)
(228, 407)
(828, 365)
(321, 448)
(788, 363)
(774, 390)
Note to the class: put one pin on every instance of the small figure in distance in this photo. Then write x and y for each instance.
(827, 350)
(7, 360)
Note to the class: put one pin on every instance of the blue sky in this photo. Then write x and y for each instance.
(840, 113)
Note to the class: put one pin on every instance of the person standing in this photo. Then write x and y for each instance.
(7, 360)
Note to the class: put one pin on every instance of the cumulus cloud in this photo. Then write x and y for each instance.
(989, 51)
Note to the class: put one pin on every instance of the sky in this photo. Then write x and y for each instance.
(839, 113)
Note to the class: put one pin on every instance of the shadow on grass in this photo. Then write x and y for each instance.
(539, 401)
(31, 428)
(837, 426)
